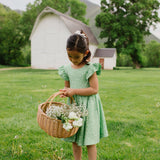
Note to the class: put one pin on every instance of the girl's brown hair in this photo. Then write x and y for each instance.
(80, 43)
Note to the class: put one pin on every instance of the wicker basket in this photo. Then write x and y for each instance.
(53, 127)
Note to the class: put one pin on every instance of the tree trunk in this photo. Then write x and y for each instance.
(136, 60)
(136, 65)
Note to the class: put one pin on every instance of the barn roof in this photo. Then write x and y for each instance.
(105, 52)
(72, 24)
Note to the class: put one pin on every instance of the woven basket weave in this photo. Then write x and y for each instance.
(53, 127)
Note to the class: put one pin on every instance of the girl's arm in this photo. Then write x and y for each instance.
(66, 84)
(93, 89)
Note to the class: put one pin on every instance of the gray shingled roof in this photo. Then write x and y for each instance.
(72, 24)
(105, 52)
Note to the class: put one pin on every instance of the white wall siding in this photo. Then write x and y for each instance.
(109, 63)
(48, 43)
(92, 48)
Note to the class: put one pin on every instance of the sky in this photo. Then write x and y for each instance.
(21, 4)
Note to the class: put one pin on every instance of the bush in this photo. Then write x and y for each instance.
(26, 53)
(151, 55)
(124, 60)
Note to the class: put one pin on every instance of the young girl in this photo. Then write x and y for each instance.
(81, 82)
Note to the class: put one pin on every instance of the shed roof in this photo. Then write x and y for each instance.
(105, 52)
(72, 24)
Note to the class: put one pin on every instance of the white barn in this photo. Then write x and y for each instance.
(49, 36)
(106, 57)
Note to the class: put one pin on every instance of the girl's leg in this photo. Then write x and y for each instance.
(77, 151)
(92, 152)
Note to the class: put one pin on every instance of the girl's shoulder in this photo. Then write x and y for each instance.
(62, 71)
(64, 68)
(96, 67)
(93, 67)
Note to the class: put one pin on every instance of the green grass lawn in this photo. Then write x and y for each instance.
(4, 66)
(131, 101)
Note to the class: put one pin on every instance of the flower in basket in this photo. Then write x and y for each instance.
(67, 126)
(78, 122)
(72, 115)
(66, 113)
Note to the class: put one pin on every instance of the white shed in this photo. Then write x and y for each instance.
(106, 57)
(49, 36)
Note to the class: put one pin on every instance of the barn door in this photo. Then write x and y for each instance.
(101, 61)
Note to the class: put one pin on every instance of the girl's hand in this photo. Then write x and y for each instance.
(62, 94)
(68, 92)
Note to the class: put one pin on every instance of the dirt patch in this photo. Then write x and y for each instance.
(12, 68)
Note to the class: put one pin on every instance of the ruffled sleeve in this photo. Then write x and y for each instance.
(95, 67)
(62, 73)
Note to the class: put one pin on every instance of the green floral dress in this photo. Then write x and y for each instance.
(94, 125)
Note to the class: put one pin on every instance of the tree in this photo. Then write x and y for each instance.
(125, 23)
(77, 10)
(11, 39)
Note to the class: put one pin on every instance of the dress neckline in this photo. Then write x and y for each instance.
(76, 68)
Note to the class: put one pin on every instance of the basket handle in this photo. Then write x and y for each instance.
(52, 97)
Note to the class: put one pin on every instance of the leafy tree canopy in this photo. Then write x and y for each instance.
(3, 13)
(11, 39)
(78, 10)
(125, 23)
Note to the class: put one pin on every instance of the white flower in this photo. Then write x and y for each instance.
(158, 104)
(72, 115)
(67, 126)
(78, 123)
(54, 111)
(20, 146)
(16, 137)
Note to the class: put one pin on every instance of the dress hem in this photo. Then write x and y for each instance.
(71, 141)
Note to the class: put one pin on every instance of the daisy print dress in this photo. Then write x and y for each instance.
(94, 125)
